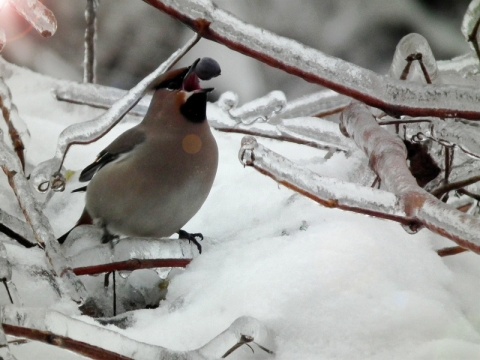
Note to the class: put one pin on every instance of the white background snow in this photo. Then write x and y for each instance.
(330, 284)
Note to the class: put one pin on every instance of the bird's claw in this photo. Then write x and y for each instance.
(191, 237)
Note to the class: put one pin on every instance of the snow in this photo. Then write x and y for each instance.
(327, 283)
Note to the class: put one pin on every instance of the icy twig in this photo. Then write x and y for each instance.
(10, 112)
(314, 132)
(329, 192)
(391, 95)
(37, 15)
(131, 254)
(438, 192)
(40, 225)
(387, 154)
(98, 342)
(16, 229)
(48, 173)
(322, 103)
(414, 49)
(98, 96)
(89, 62)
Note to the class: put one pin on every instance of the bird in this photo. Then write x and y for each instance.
(152, 179)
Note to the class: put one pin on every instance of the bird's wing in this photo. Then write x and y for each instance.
(121, 145)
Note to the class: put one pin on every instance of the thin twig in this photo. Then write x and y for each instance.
(89, 63)
(455, 186)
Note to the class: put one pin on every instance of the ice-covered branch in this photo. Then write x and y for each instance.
(329, 192)
(16, 229)
(128, 254)
(39, 16)
(89, 62)
(40, 225)
(387, 154)
(98, 342)
(10, 115)
(391, 95)
(48, 174)
(290, 123)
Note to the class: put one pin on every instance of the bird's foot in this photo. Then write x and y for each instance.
(107, 237)
(191, 237)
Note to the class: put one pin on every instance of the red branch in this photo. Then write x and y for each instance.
(79, 347)
(130, 265)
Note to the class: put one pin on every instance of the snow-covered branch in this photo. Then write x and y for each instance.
(96, 342)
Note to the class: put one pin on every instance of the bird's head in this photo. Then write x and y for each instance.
(186, 82)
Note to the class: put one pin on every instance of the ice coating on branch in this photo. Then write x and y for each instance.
(316, 129)
(243, 327)
(39, 223)
(464, 135)
(328, 191)
(89, 254)
(18, 226)
(470, 23)
(383, 92)
(98, 96)
(260, 109)
(89, 60)
(48, 172)
(319, 103)
(413, 55)
(37, 15)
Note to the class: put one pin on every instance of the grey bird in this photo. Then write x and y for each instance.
(153, 178)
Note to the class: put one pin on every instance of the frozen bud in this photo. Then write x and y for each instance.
(207, 68)
(414, 60)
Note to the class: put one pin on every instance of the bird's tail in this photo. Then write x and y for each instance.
(85, 219)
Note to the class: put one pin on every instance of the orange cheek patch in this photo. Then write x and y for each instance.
(192, 144)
